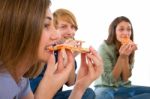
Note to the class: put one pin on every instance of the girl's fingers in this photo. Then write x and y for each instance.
(90, 66)
(51, 59)
(51, 67)
(83, 58)
(97, 62)
(70, 59)
(93, 59)
(94, 52)
(60, 60)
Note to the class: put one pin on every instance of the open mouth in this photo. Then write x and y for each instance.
(52, 45)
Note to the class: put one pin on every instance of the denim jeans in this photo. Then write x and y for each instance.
(141, 96)
(89, 94)
(121, 92)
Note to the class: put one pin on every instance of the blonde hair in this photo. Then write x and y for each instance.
(65, 15)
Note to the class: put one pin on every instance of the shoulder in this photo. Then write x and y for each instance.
(104, 47)
(7, 84)
(24, 86)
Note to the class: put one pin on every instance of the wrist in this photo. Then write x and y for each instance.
(79, 87)
(123, 56)
(77, 92)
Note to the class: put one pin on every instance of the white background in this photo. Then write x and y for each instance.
(94, 17)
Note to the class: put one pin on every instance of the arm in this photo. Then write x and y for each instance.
(126, 69)
(91, 67)
(122, 65)
(55, 76)
(72, 77)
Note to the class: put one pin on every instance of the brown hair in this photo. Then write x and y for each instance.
(21, 24)
(65, 15)
(112, 34)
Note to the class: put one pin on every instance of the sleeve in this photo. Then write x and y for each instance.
(26, 89)
(107, 56)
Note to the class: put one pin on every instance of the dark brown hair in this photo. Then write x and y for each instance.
(112, 34)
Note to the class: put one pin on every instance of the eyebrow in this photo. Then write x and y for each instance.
(49, 18)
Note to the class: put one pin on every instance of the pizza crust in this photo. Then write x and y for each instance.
(69, 47)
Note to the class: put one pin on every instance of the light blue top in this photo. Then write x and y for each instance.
(109, 57)
(9, 89)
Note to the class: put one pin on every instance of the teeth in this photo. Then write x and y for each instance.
(60, 42)
(53, 44)
(57, 42)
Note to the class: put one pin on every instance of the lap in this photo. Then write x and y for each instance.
(104, 93)
(89, 94)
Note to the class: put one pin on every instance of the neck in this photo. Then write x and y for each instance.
(18, 72)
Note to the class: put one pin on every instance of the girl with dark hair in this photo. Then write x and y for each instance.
(118, 60)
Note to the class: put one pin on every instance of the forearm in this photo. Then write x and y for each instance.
(72, 78)
(126, 71)
(77, 92)
(117, 70)
(46, 89)
(121, 68)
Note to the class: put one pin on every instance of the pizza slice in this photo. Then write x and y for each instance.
(125, 40)
(69, 47)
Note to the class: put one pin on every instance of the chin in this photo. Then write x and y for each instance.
(44, 58)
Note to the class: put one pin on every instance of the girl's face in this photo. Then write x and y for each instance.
(66, 29)
(123, 29)
(49, 37)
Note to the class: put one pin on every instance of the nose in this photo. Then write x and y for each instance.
(126, 33)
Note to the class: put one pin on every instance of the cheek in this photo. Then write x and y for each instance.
(130, 34)
(42, 46)
(63, 34)
(118, 36)
(44, 40)
(43, 53)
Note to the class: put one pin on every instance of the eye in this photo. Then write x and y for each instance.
(73, 27)
(47, 26)
(121, 29)
(129, 29)
(63, 27)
